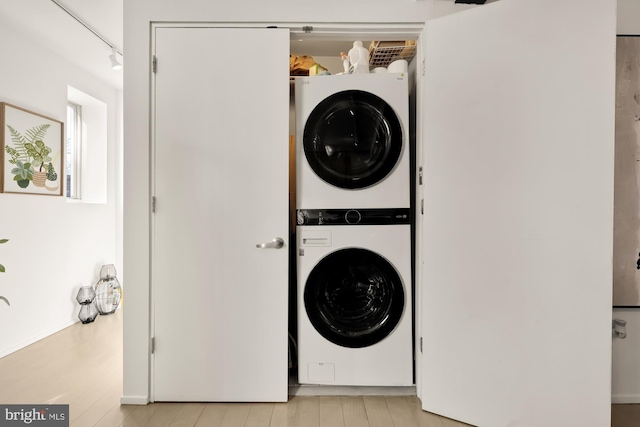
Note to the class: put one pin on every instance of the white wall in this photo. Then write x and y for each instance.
(625, 379)
(629, 17)
(55, 246)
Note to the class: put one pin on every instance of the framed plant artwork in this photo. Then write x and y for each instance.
(32, 150)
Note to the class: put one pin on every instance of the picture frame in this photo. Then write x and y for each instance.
(31, 152)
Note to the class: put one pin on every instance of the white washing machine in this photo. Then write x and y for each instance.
(354, 297)
(352, 141)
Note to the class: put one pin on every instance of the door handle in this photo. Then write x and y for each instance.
(276, 243)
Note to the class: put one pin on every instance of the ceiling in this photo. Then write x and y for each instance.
(49, 25)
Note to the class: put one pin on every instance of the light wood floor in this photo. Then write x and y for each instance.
(82, 366)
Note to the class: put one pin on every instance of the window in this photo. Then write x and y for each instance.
(73, 150)
(86, 148)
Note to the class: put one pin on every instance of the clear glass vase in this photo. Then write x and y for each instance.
(86, 295)
(108, 295)
(88, 312)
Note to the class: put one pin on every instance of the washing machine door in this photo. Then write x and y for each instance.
(354, 297)
(352, 139)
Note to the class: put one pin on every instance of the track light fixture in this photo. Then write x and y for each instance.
(115, 64)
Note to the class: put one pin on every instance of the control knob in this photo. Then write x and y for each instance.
(352, 217)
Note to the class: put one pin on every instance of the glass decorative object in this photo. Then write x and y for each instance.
(88, 309)
(108, 290)
(108, 271)
(88, 312)
(86, 294)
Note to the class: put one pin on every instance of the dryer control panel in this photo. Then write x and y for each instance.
(353, 216)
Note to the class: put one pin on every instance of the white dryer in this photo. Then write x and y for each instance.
(352, 141)
(354, 297)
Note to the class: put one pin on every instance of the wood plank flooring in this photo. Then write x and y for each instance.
(82, 366)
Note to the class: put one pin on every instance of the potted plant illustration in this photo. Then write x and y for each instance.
(2, 271)
(28, 154)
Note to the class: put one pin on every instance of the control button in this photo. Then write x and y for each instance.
(352, 217)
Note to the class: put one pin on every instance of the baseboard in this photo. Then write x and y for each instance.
(134, 400)
(618, 399)
(36, 338)
(330, 390)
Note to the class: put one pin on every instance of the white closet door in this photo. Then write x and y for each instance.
(220, 303)
(518, 190)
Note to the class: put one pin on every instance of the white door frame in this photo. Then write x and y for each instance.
(327, 31)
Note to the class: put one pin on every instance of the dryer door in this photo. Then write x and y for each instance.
(354, 297)
(352, 139)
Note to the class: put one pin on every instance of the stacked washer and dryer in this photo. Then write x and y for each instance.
(354, 291)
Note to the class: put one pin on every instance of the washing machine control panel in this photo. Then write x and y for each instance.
(353, 216)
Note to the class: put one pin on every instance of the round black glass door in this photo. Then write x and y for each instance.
(352, 139)
(354, 297)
